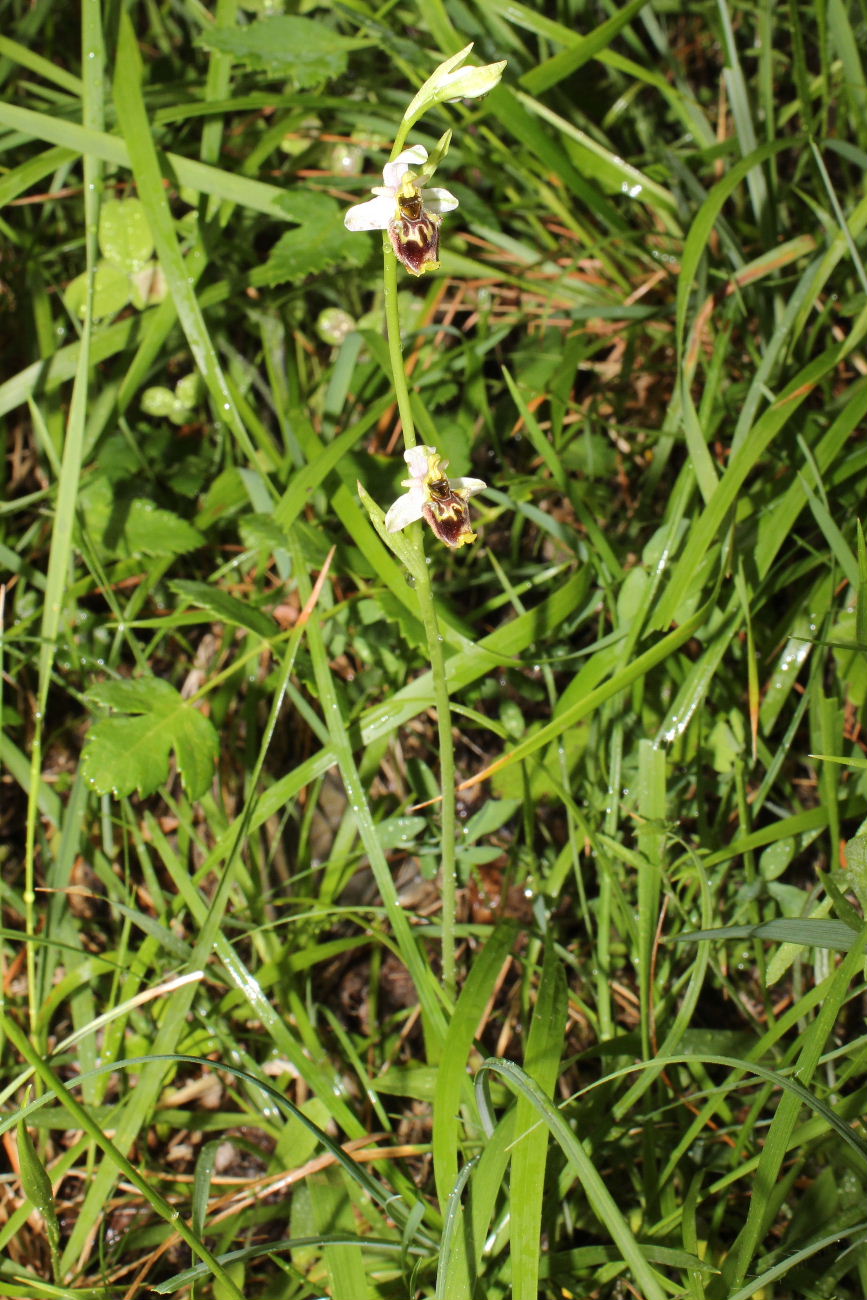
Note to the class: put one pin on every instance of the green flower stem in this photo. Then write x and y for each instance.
(395, 346)
(427, 607)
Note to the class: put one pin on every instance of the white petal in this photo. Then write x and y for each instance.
(437, 201)
(394, 172)
(470, 485)
(418, 460)
(375, 214)
(405, 510)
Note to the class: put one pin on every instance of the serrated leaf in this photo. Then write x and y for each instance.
(129, 525)
(153, 531)
(125, 754)
(224, 607)
(314, 248)
(286, 46)
(261, 533)
(124, 234)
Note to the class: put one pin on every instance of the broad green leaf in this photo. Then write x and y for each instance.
(189, 389)
(159, 402)
(177, 405)
(129, 753)
(314, 248)
(124, 234)
(286, 46)
(126, 524)
(162, 403)
(111, 292)
(776, 857)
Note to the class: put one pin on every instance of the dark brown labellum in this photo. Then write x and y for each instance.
(415, 242)
(448, 514)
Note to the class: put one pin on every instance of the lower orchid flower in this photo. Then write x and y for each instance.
(408, 209)
(440, 501)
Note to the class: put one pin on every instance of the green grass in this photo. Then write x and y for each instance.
(230, 1063)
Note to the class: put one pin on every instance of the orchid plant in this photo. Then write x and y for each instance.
(410, 210)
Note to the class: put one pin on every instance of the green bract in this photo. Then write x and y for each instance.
(450, 82)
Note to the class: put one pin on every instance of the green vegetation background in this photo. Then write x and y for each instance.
(225, 1044)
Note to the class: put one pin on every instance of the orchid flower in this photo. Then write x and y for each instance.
(408, 209)
(440, 501)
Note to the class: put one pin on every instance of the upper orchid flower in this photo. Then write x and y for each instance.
(440, 501)
(408, 209)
